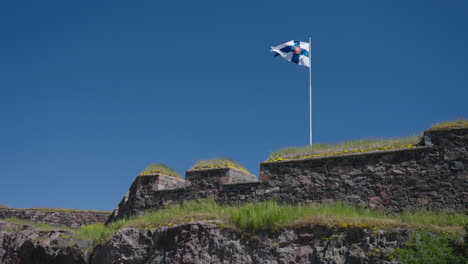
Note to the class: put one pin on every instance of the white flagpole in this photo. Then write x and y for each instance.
(310, 91)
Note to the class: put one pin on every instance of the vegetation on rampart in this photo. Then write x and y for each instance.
(343, 148)
(461, 123)
(160, 168)
(218, 163)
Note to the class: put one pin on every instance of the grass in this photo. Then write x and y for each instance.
(461, 123)
(348, 147)
(218, 163)
(273, 216)
(41, 226)
(268, 215)
(3, 206)
(53, 210)
(160, 168)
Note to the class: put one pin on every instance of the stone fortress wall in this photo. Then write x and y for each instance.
(433, 176)
(56, 217)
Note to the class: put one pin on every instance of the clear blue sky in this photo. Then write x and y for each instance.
(91, 92)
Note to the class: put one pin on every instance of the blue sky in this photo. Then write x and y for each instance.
(91, 92)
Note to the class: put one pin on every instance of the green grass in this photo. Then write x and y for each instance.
(461, 123)
(160, 168)
(273, 216)
(348, 147)
(3, 206)
(98, 233)
(219, 163)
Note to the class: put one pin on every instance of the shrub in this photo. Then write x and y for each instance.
(160, 168)
(426, 248)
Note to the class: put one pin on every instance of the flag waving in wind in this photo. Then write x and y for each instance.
(294, 51)
(298, 52)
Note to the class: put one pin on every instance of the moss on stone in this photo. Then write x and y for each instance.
(160, 168)
(344, 148)
(219, 163)
(456, 124)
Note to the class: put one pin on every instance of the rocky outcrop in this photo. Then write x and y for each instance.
(23, 244)
(202, 242)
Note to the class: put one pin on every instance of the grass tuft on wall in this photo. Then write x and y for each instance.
(461, 123)
(160, 168)
(218, 163)
(347, 147)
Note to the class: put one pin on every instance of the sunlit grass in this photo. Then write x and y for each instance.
(347, 147)
(269, 215)
(160, 168)
(461, 123)
(253, 217)
(219, 163)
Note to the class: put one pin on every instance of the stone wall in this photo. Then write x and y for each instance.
(163, 181)
(433, 176)
(56, 217)
(213, 178)
(202, 183)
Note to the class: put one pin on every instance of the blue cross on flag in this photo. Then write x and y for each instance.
(294, 51)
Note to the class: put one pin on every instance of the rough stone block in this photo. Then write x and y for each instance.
(213, 178)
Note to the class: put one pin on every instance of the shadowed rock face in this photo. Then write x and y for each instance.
(22, 244)
(201, 242)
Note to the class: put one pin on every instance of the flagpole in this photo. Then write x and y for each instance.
(310, 91)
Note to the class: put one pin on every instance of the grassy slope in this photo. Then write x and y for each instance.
(270, 216)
